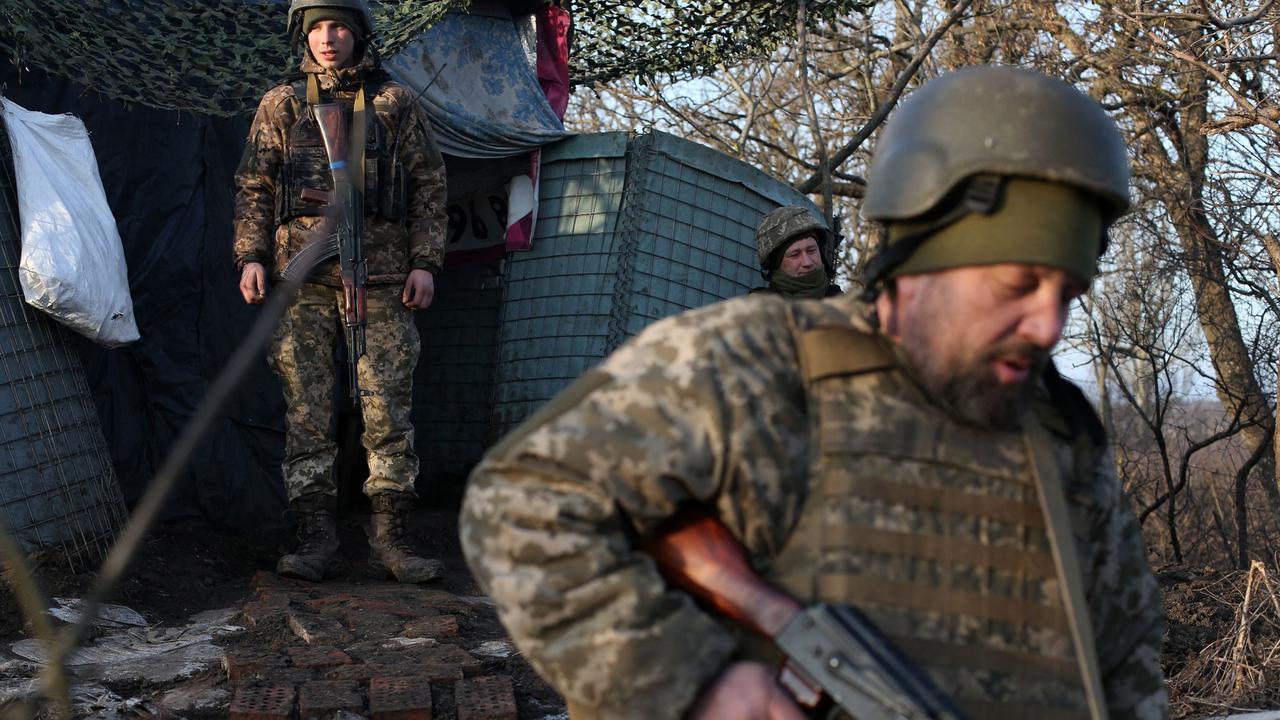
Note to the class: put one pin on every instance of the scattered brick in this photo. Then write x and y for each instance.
(366, 650)
(445, 655)
(292, 676)
(262, 702)
(400, 698)
(398, 663)
(322, 698)
(317, 629)
(326, 601)
(360, 672)
(317, 657)
(241, 665)
(405, 595)
(432, 627)
(364, 624)
(486, 698)
(398, 608)
(266, 581)
(443, 674)
(258, 613)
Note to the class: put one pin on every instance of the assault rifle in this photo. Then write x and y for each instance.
(345, 223)
(834, 654)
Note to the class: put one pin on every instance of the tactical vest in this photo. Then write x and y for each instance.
(306, 166)
(936, 531)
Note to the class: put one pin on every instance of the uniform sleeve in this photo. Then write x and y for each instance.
(552, 514)
(426, 193)
(255, 201)
(1126, 604)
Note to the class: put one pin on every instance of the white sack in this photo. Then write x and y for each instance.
(72, 264)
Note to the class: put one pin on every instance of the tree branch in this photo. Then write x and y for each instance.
(899, 86)
(1236, 22)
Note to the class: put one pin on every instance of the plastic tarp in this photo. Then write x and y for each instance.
(72, 265)
(476, 77)
(168, 179)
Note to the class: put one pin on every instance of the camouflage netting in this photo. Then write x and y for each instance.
(219, 56)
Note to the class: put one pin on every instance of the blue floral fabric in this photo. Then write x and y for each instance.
(477, 82)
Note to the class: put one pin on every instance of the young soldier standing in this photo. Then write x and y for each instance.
(281, 189)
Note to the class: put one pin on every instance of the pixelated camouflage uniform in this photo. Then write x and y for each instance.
(713, 407)
(404, 228)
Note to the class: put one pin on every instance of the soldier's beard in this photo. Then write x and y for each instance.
(969, 389)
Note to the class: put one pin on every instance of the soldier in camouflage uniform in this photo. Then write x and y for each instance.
(912, 451)
(793, 246)
(283, 172)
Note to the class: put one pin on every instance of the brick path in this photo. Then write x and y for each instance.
(382, 651)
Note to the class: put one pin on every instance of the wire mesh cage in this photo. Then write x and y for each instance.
(631, 229)
(453, 384)
(58, 490)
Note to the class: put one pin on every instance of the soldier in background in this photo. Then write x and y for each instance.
(793, 246)
(912, 452)
(283, 169)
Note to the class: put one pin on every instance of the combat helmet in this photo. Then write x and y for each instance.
(944, 151)
(358, 7)
(783, 225)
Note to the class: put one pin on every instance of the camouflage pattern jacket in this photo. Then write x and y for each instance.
(711, 407)
(405, 191)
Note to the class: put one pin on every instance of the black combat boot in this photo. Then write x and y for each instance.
(317, 535)
(389, 551)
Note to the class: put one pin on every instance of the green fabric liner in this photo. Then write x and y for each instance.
(1036, 222)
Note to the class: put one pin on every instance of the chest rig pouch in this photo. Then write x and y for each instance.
(939, 533)
(305, 179)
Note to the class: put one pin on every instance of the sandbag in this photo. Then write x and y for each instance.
(72, 265)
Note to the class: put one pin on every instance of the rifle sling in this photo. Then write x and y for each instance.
(1054, 502)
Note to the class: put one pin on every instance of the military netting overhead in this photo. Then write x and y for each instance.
(218, 56)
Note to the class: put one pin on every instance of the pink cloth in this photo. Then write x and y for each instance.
(553, 75)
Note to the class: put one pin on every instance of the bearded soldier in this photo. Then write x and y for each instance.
(911, 452)
(282, 188)
(793, 247)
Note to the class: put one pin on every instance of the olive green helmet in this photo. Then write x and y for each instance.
(359, 7)
(785, 224)
(984, 122)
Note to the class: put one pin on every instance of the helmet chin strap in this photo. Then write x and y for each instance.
(981, 195)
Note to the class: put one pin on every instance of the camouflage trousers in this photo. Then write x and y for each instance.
(302, 356)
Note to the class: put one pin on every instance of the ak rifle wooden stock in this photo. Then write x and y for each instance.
(347, 217)
(833, 652)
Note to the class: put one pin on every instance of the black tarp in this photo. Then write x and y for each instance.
(168, 179)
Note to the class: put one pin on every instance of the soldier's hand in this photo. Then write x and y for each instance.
(745, 691)
(253, 283)
(419, 290)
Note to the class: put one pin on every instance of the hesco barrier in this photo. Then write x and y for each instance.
(58, 490)
(453, 385)
(631, 228)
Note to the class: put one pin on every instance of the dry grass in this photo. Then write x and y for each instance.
(1240, 671)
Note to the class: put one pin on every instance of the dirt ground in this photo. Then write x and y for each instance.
(1221, 654)
(186, 568)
